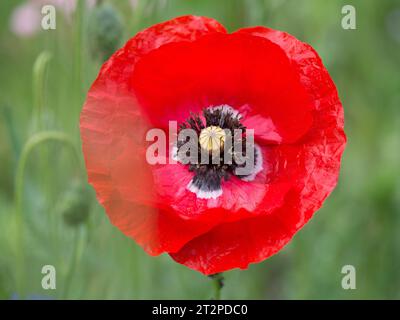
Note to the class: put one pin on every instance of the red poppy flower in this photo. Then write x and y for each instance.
(190, 70)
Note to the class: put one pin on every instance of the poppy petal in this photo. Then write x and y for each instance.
(113, 134)
(218, 69)
(236, 244)
(317, 155)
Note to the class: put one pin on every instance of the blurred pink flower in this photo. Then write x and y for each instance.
(26, 18)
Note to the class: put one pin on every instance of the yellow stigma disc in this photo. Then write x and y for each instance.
(212, 138)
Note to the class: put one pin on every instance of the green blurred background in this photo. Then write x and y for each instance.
(43, 81)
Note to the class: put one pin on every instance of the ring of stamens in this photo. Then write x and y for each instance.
(212, 129)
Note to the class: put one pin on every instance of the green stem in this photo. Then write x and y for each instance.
(78, 46)
(36, 140)
(78, 247)
(39, 83)
(39, 73)
(218, 282)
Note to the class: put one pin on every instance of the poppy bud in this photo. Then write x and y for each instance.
(75, 205)
(105, 31)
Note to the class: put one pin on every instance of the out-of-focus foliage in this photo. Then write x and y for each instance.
(357, 225)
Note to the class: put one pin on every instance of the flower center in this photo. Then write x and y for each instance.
(221, 150)
(212, 138)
